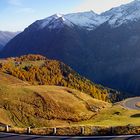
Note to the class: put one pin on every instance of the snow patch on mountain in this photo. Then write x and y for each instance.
(123, 14)
(88, 20)
(54, 21)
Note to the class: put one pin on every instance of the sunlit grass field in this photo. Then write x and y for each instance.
(22, 105)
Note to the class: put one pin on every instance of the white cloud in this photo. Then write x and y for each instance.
(26, 10)
(100, 5)
(15, 2)
(20, 8)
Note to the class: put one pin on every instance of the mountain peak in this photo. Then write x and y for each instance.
(123, 14)
(58, 15)
(88, 20)
(53, 22)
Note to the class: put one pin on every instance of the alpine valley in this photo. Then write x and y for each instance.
(104, 48)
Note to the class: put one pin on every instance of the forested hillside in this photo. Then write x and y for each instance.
(39, 70)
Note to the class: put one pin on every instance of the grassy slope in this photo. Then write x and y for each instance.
(24, 105)
(10, 80)
(115, 116)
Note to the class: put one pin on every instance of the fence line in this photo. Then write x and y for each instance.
(76, 130)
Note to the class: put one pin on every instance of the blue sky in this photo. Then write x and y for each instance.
(15, 15)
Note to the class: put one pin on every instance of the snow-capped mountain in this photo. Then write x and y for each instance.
(88, 20)
(123, 14)
(99, 47)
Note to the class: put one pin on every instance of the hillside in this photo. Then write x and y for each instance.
(10, 80)
(24, 105)
(38, 70)
(55, 106)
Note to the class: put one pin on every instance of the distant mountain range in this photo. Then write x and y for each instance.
(104, 48)
(5, 37)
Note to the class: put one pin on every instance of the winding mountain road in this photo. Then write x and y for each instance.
(131, 103)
